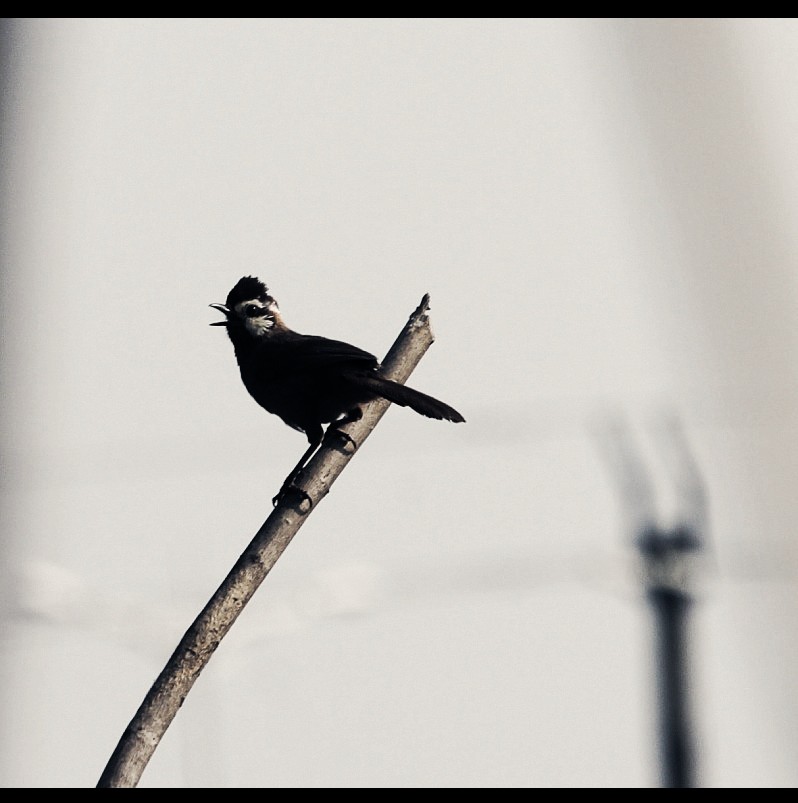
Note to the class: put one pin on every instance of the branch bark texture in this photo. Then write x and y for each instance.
(143, 734)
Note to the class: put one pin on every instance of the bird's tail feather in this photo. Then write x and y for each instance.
(407, 397)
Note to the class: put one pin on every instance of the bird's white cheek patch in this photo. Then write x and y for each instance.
(259, 326)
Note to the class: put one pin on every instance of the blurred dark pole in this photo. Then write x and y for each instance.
(667, 557)
(663, 555)
(670, 610)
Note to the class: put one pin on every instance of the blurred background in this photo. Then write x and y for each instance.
(604, 213)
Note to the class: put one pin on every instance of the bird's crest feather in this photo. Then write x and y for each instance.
(247, 288)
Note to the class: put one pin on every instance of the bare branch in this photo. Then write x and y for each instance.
(195, 649)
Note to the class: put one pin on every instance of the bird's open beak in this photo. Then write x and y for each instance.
(222, 309)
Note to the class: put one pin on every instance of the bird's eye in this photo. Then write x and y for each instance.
(252, 310)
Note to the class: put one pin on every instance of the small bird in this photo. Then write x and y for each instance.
(304, 379)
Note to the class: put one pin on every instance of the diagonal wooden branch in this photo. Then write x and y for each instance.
(142, 735)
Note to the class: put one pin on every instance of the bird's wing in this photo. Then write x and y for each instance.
(318, 353)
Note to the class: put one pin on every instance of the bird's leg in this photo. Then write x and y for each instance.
(315, 437)
(335, 433)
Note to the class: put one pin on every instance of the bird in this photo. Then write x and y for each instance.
(308, 380)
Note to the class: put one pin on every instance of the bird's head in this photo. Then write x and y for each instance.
(249, 309)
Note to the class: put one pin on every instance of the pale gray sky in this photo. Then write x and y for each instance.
(603, 212)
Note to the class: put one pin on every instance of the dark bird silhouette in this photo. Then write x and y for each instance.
(305, 379)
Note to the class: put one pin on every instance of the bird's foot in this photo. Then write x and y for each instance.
(339, 439)
(292, 496)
